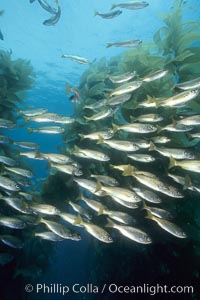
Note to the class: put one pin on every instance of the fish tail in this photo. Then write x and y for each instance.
(172, 163)
(133, 119)
(68, 88)
(115, 127)
(189, 136)
(78, 220)
(113, 6)
(100, 140)
(187, 182)
(159, 129)
(110, 223)
(152, 146)
(81, 136)
(128, 171)
(30, 130)
(98, 187)
(100, 211)
(95, 13)
(108, 45)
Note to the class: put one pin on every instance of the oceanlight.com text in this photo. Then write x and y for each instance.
(112, 288)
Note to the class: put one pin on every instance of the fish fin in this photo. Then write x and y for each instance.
(128, 171)
(76, 149)
(113, 6)
(144, 206)
(110, 223)
(172, 163)
(37, 154)
(149, 215)
(100, 211)
(100, 140)
(78, 220)
(150, 99)
(133, 119)
(26, 119)
(81, 136)
(98, 187)
(30, 130)
(159, 129)
(187, 182)
(174, 122)
(108, 45)
(115, 127)
(189, 136)
(152, 146)
(68, 88)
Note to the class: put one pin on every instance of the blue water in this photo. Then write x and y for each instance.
(78, 32)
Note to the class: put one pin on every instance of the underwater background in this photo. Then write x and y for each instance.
(33, 74)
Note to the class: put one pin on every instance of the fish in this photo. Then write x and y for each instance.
(68, 169)
(119, 144)
(89, 185)
(158, 212)
(147, 195)
(90, 154)
(130, 232)
(105, 113)
(80, 210)
(17, 203)
(189, 85)
(49, 236)
(177, 153)
(175, 128)
(190, 121)
(119, 216)
(155, 75)
(20, 171)
(78, 59)
(70, 218)
(121, 78)
(135, 128)
(96, 105)
(57, 158)
(11, 241)
(142, 157)
(126, 88)
(168, 226)
(11, 222)
(118, 100)
(93, 204)
(8, 184)
(47, 7)
(119, 192)
(54, 19)
(31, 1)
(105, 179)
(189, 165)
(153, 182)
(47, 129)
(147, 118)
(27, 145)
(42, 208)
(109, 15)
(195, 135)
(124, 44)
(160, 139)
(1, 35)
(7, 124)
(129, 204)
(108, 134)
(60, 230)
(32, 155)
(185, 182)
(33, 112)
(178, 99)
(131, 5)
(96, 231)
(7, 161)
(5, 140)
